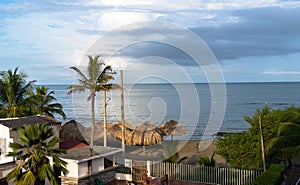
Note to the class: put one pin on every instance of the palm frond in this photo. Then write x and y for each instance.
(288, 128)
(15, 173)
(29, 177)
(79, 72)
(291, 152)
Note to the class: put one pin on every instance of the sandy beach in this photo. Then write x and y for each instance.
(191, 151)
(186, 149)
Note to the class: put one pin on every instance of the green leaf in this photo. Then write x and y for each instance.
(28, 178)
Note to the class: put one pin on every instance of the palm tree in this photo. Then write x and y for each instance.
(43, 102)
(105, 86)
(13, 93)
(36, 146)
(287, 141)
(96, 74)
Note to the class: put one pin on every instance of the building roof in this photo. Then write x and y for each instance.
(84, 153)
(16, 123)
(6, 167)
(71, 144)
(72, 130)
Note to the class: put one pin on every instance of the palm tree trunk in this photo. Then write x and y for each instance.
(104, 118)
(122, 113)
(93, 119)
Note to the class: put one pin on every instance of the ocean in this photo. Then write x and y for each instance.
(198, 107)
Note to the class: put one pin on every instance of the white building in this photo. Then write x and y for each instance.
(9, 134)
(9, 131)
(85, 168)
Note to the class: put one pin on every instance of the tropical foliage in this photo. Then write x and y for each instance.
(281, 134)
(44, 102)
(287, 141)
(33, 153)
(17, 98)
(243, 150)
(13, 93)
(273, 176)
(94, 80)
(206, 161)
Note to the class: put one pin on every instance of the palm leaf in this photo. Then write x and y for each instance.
(289, 129)
(28, 178)
(52, 142)
(79, 72)
(14, 173)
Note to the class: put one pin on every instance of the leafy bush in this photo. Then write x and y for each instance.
(273, 176)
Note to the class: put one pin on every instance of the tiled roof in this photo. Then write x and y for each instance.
(84, 153)
(16, 123)
(71, 144)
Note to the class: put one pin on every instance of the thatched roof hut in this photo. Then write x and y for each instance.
(72, 130)
(144, 134)
(116, 129)
(172, 127)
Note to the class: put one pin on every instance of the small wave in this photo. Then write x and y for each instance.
(252, 103)
(280, 104)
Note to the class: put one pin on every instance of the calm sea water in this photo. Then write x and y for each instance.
(191, 104)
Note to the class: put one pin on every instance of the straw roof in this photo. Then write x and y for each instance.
(116, 129)
(172, 127)
(72, 130)
(144, 134)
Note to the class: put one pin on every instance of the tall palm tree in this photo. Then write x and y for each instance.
(36, 146)
(13, 93)
(96, 72)
(43, 101)
(287, 141)
(105, 87)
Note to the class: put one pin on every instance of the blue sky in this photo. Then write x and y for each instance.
(252, 40)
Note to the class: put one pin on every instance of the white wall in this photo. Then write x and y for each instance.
(78, 170)
(5, 138)
(98, 164)
(72, 166)
(83, 169)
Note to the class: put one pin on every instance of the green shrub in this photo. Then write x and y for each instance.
(272, 176)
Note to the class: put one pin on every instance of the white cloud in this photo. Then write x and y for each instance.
(60, 32)
(115, 19)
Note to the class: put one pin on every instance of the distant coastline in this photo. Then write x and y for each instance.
(278, 82)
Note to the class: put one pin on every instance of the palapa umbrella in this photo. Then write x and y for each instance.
(73, 130)
(172, 127)
(116, 129)
(145, 134)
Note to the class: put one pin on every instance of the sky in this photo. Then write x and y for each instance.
(252, 41)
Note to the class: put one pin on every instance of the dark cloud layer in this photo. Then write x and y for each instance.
(253, 32)
(257, 32)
